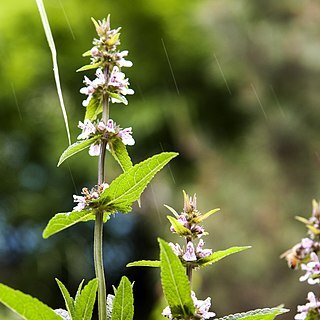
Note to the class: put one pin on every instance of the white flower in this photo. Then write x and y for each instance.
(94, 149)
(201, 253)
(312, 305)
(176, 249)
(312, 269)
(111, 127)
(81, 202)
(121, 62)
(119, 83)
(126, 136)
(202, 307)
(87, 128)
(63, 314)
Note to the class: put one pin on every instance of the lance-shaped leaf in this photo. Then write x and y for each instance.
(218, 255)
(26, 306)
(175, 283)
(174, 212)
(67, 298)
(144, 263)
(85, 301)
(259, 314)
(120, 153)
(89, 66)
(123, 301)
(77, 147)
(65, 220)
(93, 109)
(127, 188)
(118, 97)
(202, 217)
(178, 227)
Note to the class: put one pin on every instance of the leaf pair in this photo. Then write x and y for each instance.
(119, 196)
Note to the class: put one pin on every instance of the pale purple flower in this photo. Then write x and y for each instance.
(87, 128)
(198, 230)
(94, 149)
(176, 249)
(111, 126)
(190, 254)
(81, 202)
(307, 244)
(312, 269)
(101, 126)
(202, 307)
(312, 305)
(118, 83)
(126, 136)
(63, 314)
(201, 253)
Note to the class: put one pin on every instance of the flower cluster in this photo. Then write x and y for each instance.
(88, 195)
(63, 314)
(108, 132)
(187, 225)
(108, 60)
(202, 308)
(304, 256)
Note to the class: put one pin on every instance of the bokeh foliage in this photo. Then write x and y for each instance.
(232, 86)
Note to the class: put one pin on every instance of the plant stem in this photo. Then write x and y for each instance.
(189, 266)
(98, 227)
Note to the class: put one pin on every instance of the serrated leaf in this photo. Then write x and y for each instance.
(120, 153)
(144, 263)
(67, 298)
(122, 308)
(127, 188)
(27, 307)
(85, 301)
(65, 220)
(89, 67)
(178, 227)
(202, 217)
(93, 109)
(118, 97)
(259, 314)
(174, 212)
(218, 255)
(77, 147)
(175, 283)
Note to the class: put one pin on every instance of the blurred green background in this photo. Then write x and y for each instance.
(233, 86)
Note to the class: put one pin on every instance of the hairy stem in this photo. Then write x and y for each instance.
(98, 227)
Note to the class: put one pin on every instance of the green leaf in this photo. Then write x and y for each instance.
(85, 301)
(202, 217)
(178, 227)
(259, 314)
(123, 301)
(77, 147)
(174, 212)
(67, 298)
(175, 283)
(144, 263)
(90, 66)
(127, 188)
(87, 53)
(120, 153)
(93, 109)
(79, 289)
(118, 97)
(27, 307)
(218, 255)
(65, 220)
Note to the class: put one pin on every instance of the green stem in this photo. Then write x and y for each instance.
(98, 227)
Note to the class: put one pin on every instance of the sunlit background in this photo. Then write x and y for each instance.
(233, 86)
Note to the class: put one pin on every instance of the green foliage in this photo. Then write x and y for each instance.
(202, 217)
(175, 283)
(127, 188)
(27, 307)
(85, 301)
(93, 109)
(144, 263)
(178, 227)
(69, 302)
(120, 153)
(218, 255)
(77, 147)
(123, 301)
(260, 314)
(65, 220)
(118, 97)
(89, 67)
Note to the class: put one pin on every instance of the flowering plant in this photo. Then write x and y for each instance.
(304, 256)
(99, 133)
